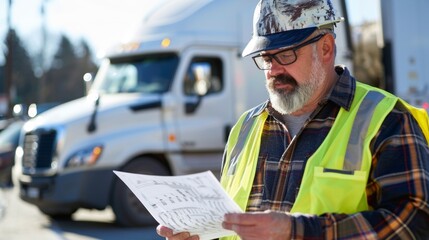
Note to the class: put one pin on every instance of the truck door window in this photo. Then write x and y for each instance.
(142, 74)
(204, 76)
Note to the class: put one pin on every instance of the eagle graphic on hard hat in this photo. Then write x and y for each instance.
(283, 23)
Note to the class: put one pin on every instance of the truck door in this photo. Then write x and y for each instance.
(205, 115)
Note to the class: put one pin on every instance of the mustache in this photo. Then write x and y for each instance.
(284, 79)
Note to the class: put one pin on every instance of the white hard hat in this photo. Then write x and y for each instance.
(282, 23)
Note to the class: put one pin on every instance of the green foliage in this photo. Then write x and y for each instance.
(23, 82)
(61, 82)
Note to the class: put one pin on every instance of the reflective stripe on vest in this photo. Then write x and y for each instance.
(246, 126)
(361, 123)
(241, 158)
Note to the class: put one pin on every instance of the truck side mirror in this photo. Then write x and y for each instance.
(197, 85)
(202, 87)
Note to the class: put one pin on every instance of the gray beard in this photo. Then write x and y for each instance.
(286, 102)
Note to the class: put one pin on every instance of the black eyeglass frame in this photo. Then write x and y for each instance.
(293, 49)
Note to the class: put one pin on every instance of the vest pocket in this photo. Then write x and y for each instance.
(337, 191)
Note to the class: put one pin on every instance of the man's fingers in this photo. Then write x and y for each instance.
(182, 236)
(164, 231)
(169, 234)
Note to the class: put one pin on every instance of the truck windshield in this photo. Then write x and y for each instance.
(144, 74)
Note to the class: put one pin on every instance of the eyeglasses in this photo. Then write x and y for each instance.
(284, 57)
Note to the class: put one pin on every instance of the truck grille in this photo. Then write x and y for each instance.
(38, 149)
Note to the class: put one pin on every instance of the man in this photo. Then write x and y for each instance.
(326, 157)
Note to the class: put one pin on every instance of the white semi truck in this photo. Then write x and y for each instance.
(406, 49)
(161, 104)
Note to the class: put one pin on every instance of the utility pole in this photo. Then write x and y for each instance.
(9, 61)
(42, 77)
(43, 53)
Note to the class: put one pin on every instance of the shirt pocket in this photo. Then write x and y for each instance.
(338, 191)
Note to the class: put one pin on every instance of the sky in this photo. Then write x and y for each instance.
(363, 10)
(103, 23)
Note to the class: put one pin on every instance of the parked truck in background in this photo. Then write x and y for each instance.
(162, 104)
(406, 49)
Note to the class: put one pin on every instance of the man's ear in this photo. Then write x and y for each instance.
(328, 47)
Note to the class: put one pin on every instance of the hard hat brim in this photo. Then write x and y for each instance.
(277, 40)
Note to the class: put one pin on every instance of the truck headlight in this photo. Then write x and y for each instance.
(85, 157)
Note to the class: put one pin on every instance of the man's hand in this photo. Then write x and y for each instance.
(168, 234)
(264, 225)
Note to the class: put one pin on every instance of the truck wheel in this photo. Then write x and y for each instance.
(129, 211)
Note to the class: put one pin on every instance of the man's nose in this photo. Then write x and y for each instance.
(276, 68)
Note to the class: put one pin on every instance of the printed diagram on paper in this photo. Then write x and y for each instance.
(195, 203)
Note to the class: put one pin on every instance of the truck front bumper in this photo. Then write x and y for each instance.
(84, 189)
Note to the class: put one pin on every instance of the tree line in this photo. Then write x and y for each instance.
(59, 82)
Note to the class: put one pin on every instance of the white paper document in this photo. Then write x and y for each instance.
(195, 203)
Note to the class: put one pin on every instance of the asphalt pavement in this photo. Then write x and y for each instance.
(22, 221)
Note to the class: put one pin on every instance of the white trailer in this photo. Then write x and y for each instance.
(406, 49)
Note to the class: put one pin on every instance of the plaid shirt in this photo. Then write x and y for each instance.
(398, 184)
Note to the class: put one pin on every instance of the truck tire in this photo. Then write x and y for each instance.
(129, 211)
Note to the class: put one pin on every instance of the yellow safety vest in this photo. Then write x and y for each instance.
(334, 178)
